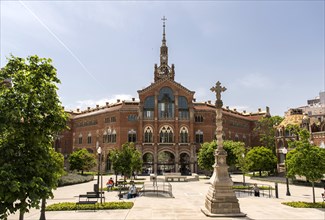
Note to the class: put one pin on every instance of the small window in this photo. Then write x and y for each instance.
(132, 136)
(132, 117)
(80, 139)
(113, 119)
(113, 136)
(199, 137)
(198, 118)
(183, 135)
(148, 133)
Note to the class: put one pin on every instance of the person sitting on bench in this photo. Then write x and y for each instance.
(110, 184)
(132, 191)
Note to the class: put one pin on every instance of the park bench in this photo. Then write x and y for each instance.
(86, 199)
(96, 195)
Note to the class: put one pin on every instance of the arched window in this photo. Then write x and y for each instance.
(132, 136)
(148, 133)
(183, 112)
(166, 134)
(105, 137)
(166, 102)
(149, 107)
(199, 137)
(89, 138)
(80, 139)
(183, 136)
(109, 135)
(114, 136)
(236, 137)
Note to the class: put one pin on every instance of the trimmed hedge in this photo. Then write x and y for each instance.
(72, 206)
(300, 204)
(73, 178)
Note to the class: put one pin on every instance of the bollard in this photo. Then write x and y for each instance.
(276, 190)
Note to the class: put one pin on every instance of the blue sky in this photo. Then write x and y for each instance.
(267, 53)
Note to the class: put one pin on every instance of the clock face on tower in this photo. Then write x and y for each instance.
(164, 58)
(164, 71)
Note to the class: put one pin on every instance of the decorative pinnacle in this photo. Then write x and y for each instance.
(164, 34)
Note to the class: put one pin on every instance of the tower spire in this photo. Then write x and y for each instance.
(164, 34)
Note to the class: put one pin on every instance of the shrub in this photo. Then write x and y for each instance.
(71, 206)
(73, 178)
(301, 204)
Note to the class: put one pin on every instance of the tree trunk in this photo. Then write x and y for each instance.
(313, 185)
(42, 216)
(260, 173)
(21, 215)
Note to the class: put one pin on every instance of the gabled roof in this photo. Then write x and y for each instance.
(163, 81)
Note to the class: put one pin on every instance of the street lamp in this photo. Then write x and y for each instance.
(243, 156)
(99, 152)
(285, 151)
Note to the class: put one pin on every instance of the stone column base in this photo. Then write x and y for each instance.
(209, 214)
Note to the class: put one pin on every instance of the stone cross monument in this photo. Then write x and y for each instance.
(221, 200)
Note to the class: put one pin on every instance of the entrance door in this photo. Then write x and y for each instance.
(166, 162)
(147, 167)
(184, 161)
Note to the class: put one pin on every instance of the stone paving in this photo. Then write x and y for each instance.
(188, 199)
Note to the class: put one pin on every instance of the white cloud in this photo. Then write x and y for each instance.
(83, 104)
(254, 80)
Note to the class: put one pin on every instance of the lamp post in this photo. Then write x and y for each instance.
(99, 152)
(243, 156)
(285, 151)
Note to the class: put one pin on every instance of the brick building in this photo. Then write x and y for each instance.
(310, 117)
(167, 125)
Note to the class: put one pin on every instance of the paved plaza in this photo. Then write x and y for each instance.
(188, 199)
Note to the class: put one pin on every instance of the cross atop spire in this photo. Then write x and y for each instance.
(218, 89)
(164, 19)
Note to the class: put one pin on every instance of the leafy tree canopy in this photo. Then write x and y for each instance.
(265, 129)
(126, 160)
(206, 157)
(261, 159)
(30, 114)
(82, 160)
(305, 159)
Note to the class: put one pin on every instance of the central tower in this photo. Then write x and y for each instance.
(164, 70)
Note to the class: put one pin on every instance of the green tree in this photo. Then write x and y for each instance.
(126, 160)
(52, 171)
(30, 113)
(260, 159)
(265, 129)
(306, 160)
(234, 151)
(82, 160)
(206, 157)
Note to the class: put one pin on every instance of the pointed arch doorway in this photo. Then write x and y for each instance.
(166, 162)
(148, 164)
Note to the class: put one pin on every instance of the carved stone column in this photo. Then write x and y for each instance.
(221, 200)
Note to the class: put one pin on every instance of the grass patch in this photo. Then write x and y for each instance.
(300, 204)
(72, 206)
